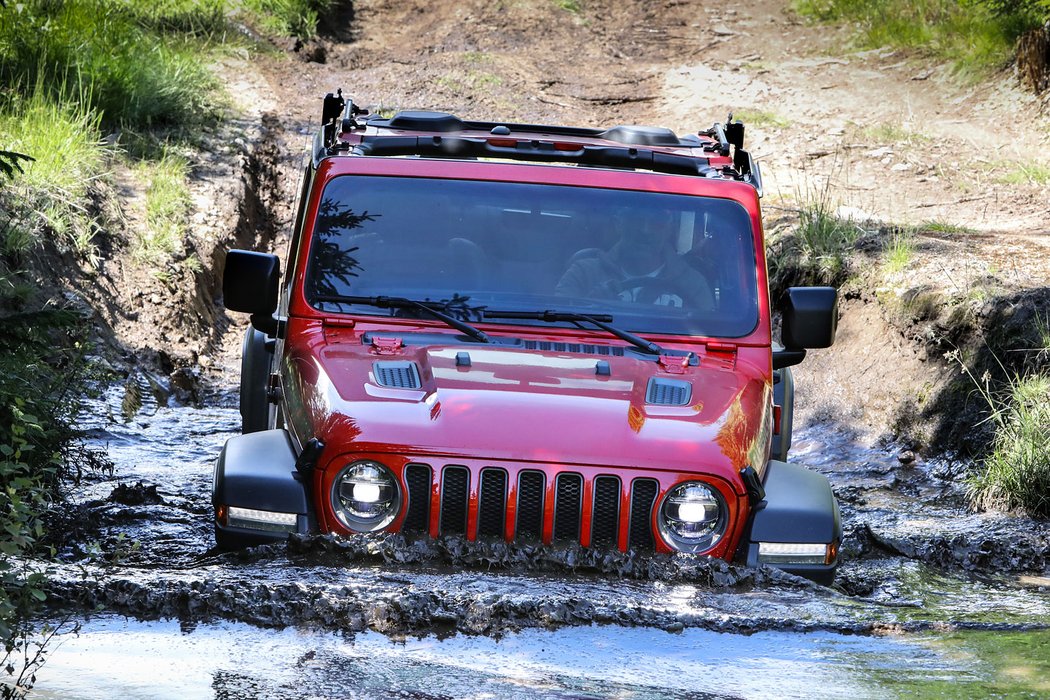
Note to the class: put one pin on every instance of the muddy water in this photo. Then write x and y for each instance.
(924, 587)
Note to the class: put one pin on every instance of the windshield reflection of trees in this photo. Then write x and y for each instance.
(334, 264)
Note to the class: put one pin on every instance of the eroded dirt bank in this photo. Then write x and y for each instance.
(915, 558)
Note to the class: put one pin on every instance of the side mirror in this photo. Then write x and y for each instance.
(250, 284)
(809, 319)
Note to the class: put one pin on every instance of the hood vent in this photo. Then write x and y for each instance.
(397, 375)
(577, 348)
(668, 392)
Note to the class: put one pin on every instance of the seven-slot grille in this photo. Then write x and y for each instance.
(516, 502)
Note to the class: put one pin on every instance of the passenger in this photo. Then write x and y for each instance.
(641, 267)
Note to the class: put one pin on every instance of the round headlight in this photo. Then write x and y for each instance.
(692, 517)
(365, 496)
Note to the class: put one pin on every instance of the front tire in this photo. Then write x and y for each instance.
(256, 358)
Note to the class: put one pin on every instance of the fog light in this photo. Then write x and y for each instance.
(780, 553)
(692, 517)
(365, 496)
(259, 519)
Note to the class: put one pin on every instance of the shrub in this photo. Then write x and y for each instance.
(40, 369)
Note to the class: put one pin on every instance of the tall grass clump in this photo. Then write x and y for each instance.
(1016, 474)
(816, 251)
(295, 18)
(128, 74)
(49, 196)
(975, 35)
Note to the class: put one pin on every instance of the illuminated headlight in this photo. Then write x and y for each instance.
(692, 517)
(365, 496)
(796, 553)
(259, 519)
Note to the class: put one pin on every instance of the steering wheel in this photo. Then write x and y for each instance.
(648, 289)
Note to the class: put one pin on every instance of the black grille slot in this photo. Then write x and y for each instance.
(605, 521)
(493, 503)
(577, 348)
(643, 494)
(454, 501)
(417, 517)
(668, 392)
(397, 375)
(568, 502)
(530, 505)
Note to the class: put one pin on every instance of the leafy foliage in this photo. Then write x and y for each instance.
(40, 371)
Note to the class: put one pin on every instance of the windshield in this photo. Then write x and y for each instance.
(657, 263)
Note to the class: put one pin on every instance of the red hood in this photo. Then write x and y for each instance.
(547, 407)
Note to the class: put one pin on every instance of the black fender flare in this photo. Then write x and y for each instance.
(799, 507)
(257, 471)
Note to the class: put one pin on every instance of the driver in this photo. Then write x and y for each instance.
(641, 267)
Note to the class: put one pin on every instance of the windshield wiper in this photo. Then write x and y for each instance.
(404, 303)
(599, 320)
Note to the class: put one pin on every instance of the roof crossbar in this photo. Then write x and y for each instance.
(531, 150)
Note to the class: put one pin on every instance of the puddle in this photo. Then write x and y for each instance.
(121, 658)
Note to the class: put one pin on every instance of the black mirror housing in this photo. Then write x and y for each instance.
(810, 317)
(250, 282)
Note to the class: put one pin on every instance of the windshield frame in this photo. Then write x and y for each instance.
(674, 187)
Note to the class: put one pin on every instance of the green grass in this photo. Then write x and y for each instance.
(940, 226)
(1026, 174)
(900, 250)
(128, 74)
(167, 207)
(885, 133)
(1016, 474)
(976, 36)
(293, 18)
(817, 250)
(573, 6)
(758, 117)
(48, 197)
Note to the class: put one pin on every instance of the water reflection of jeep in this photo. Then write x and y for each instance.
(529, 333)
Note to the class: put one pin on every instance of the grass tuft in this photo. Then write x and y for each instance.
(759, 117)
(900, 250)
(49, 195)
(816, 251)
(167, 207)
(293, 18)
(1026, 174)
(941, 226)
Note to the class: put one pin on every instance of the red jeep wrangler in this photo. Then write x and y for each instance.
(531, 333)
